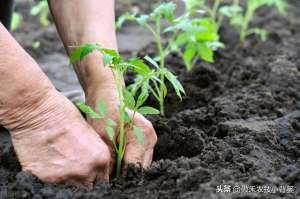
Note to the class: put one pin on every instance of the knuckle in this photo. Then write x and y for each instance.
(80, 173)
(101, 158)
(150, 134)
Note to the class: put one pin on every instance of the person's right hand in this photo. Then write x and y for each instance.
(53, 141)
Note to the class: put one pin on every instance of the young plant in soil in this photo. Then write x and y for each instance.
(241, 16)
(211, 11)
(131, 98)
(193, 39)
(42, 10)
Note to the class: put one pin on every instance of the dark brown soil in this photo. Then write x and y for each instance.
(238, 125)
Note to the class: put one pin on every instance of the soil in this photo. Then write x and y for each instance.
(238, 125)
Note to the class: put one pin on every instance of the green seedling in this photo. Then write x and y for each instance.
(41, 9)
(241, 17)
(16, 21)
(203, 7)
(131, 98)
(193, 39)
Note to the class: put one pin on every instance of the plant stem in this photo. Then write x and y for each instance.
(215, 10)
(162, 57)
(121, 146)
(248, 17)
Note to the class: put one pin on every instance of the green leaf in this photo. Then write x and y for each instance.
(260, 32)
(237, 21)
(215, 45)
(193, 5)
(186, 26)
(110, 132)
(111, 123)
(142, 20)
(231, 10)
(88, 111)
(123, 18)
(150, 60)
(175, 83)
(140, 67)
(139, 134)
(102, 109)
(281, 6)
(147, 110)
(165, 10)
(142, 97)
(79, 53)
(107, 59)
(205, 52)
(16, 21)
(182, 39)
(129, 99)
(189, 54)
(110, 52)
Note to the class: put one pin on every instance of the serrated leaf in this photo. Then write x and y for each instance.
(139, 134)
(140, 67)
(110, 132)
(102, 109)
(175, 83)
(147, 110)
(165, 10)
(88, 111)
(205, 52)
(189, 54)
(80, 52)
(129, 99)
(150, 60)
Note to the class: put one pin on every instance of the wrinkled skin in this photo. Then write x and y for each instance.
(59, 146)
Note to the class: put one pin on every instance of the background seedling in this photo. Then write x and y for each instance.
(16, 21)
(41, 9)
(131, 98)
(193, 39)
(241, 17)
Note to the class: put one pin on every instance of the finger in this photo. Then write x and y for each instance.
(148, 158)
(98, 126)
(134, 153)
(103, 175)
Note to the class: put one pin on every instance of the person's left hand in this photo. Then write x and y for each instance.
(135, 153)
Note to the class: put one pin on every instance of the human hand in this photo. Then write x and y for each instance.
(135, 152)
(54, 142)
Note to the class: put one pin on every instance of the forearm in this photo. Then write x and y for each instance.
(18, 71)
(21, 79)
(86, 21)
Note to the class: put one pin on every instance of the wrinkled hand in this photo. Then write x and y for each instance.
(135, 152)
(54, 142)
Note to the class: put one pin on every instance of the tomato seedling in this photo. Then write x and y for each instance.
(241, 17)
(131, 97)
(193, 39)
